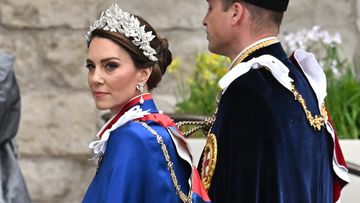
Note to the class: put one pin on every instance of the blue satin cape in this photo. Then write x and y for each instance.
(134, 169)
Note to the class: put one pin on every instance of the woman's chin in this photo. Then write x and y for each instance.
(102, 107)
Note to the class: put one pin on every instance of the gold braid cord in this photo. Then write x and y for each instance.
(204, 125)
(170, 166)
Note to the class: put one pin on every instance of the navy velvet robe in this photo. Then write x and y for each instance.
(267, 150)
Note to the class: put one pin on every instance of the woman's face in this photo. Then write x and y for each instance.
(112, 74)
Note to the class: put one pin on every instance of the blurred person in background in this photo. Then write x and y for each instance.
(13, 188)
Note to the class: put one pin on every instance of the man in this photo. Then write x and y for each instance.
(273, 137)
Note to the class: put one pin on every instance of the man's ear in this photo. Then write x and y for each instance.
(237, 12)
(144, 74)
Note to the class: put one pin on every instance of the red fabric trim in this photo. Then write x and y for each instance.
(338, 152)
(162, 119)
(338, 183)
(198, 187)
(135, 101)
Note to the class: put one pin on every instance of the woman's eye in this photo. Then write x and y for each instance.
(111, 66)
(90, 66)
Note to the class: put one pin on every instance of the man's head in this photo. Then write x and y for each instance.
(275, 5)
(231, 24)
(263, 12)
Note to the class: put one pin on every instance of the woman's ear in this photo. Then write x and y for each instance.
(144, 74)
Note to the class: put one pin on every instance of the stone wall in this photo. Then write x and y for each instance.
(58, 115)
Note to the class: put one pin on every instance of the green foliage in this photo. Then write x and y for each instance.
(207, 72)
(343, 100)
(343, 103)
(198, 94)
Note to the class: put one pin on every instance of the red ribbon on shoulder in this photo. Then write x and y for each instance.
(162, 119)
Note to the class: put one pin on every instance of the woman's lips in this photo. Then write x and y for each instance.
(99, 93)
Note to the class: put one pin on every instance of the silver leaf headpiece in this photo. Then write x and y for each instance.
(116, 20)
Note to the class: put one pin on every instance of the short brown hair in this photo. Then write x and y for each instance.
(160, 45)
(260, 16)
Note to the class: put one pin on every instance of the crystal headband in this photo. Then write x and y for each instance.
(116, 20)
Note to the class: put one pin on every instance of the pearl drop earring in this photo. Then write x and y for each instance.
(140, 87)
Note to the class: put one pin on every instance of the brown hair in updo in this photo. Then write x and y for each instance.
(163, 54)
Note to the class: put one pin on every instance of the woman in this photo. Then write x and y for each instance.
(142, 156)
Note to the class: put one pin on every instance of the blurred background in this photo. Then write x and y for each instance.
(58, 116)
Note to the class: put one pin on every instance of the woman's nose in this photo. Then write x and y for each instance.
(97, 76)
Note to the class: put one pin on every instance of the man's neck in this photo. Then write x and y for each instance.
(247, 43)
(250, 48)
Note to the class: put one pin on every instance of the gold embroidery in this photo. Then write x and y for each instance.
(209, 160)
(316, 121)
